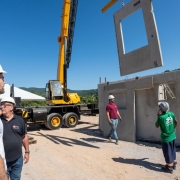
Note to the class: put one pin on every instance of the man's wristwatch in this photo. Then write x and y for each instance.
(27, 152)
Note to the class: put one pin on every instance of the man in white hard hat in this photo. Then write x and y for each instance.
(167, 123)
(15, 134)
(3, 175)
(113, 115)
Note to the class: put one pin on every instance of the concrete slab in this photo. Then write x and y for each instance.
(146, 57)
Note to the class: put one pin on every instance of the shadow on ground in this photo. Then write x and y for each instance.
(141, 163)
(64, 140)
(93, 140)
(149, 144)
(36, 128)
(156, 144)
(82, 122)
(91, 130)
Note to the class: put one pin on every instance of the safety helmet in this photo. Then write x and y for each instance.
(1, 70)
(111, 97)
(8, 99)
(164, 106)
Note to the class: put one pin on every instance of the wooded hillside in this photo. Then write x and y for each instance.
(87, 96)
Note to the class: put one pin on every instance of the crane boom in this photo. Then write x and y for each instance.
(63, 40)
(56, 90)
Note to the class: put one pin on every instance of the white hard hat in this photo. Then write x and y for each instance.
(111, 97)
(1, 70)
(164, 106)
(8, 99)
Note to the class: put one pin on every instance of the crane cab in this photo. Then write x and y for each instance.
(56, 94)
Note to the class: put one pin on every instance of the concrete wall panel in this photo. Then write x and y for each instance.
(141, 83)
(138, 105)
(146, 57)
(116, 87)
(146, 114)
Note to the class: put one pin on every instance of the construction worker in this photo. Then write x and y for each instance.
(167, 123)
(14, 135)
(113, 115)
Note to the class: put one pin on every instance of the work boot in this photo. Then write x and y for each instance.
(117, 142)
(174, 165)
(168, 169)
(109, 137)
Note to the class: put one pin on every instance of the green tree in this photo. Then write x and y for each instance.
(89, 99)
(33, 103)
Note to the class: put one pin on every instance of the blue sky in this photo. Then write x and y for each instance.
(29, 48)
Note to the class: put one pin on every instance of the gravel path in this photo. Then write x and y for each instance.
(82, 153)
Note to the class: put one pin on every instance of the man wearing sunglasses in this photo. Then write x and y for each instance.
(14, 135)
(3, 175)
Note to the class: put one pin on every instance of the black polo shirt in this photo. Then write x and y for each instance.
(14, 130)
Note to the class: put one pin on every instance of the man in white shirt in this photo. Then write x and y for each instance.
(3, 175)
(2, 154)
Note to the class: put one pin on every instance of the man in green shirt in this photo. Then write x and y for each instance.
(167, 123)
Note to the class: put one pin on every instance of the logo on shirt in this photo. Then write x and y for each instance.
(169, 121)
(15, 127)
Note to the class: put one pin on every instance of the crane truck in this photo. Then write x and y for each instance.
(62, 107)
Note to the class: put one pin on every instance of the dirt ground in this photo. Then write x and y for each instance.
(82, 153)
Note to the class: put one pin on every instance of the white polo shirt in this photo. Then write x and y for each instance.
(1, 144)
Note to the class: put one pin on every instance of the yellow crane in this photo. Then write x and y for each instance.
(62, 108)
(56, 90)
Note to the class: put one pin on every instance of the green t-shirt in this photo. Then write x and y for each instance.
(166, 121)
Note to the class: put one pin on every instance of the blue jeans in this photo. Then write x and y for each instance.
(113, 128)
(14, 169)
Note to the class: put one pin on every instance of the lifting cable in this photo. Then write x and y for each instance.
(122, 3)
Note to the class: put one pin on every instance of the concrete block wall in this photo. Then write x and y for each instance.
(137, 101)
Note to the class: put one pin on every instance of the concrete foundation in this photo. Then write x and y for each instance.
(137, 101)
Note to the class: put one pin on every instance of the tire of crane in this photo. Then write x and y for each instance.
(71, 119)
(54, 121)
(64, 116)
